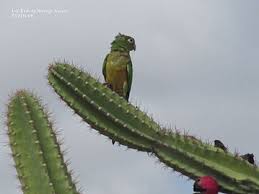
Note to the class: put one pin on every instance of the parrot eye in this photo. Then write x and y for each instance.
(130, 40)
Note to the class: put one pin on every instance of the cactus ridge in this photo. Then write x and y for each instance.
(114, 117)
(38, 159)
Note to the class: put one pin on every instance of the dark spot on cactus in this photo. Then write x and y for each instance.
(219, 144)
(249, 158)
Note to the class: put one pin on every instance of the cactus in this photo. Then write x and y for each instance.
(114, 117)
(39, 162)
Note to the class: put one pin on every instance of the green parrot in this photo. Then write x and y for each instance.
(117, 65)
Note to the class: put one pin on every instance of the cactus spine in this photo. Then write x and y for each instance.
(39, 163)
(114, 117)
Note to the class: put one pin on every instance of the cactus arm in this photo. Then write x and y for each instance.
(95, 115)
(114, 117)
(39, 162)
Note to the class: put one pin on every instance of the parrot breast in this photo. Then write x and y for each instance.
(116, 71)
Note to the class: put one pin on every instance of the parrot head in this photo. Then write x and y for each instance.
(123, 43)
(206, 185)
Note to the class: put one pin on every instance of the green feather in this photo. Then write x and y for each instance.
(130, 75)
(104, 66)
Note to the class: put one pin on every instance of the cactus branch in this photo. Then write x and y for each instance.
(114, 117)
(39, 163)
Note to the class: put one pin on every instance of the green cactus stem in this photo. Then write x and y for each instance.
(119, 120)
(38, 160)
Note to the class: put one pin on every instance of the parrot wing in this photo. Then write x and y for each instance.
(130, 74)
(104, 66)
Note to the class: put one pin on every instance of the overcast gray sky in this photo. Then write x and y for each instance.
(195, 67)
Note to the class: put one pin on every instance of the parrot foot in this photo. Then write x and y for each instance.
(113, 142)
(107, 85)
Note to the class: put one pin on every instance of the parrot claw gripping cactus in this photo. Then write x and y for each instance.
(113, 116)
(38, 160)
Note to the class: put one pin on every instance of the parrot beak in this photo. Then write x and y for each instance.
(134, 47)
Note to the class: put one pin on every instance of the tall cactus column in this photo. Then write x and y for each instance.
(114, 117)
(39, 163)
